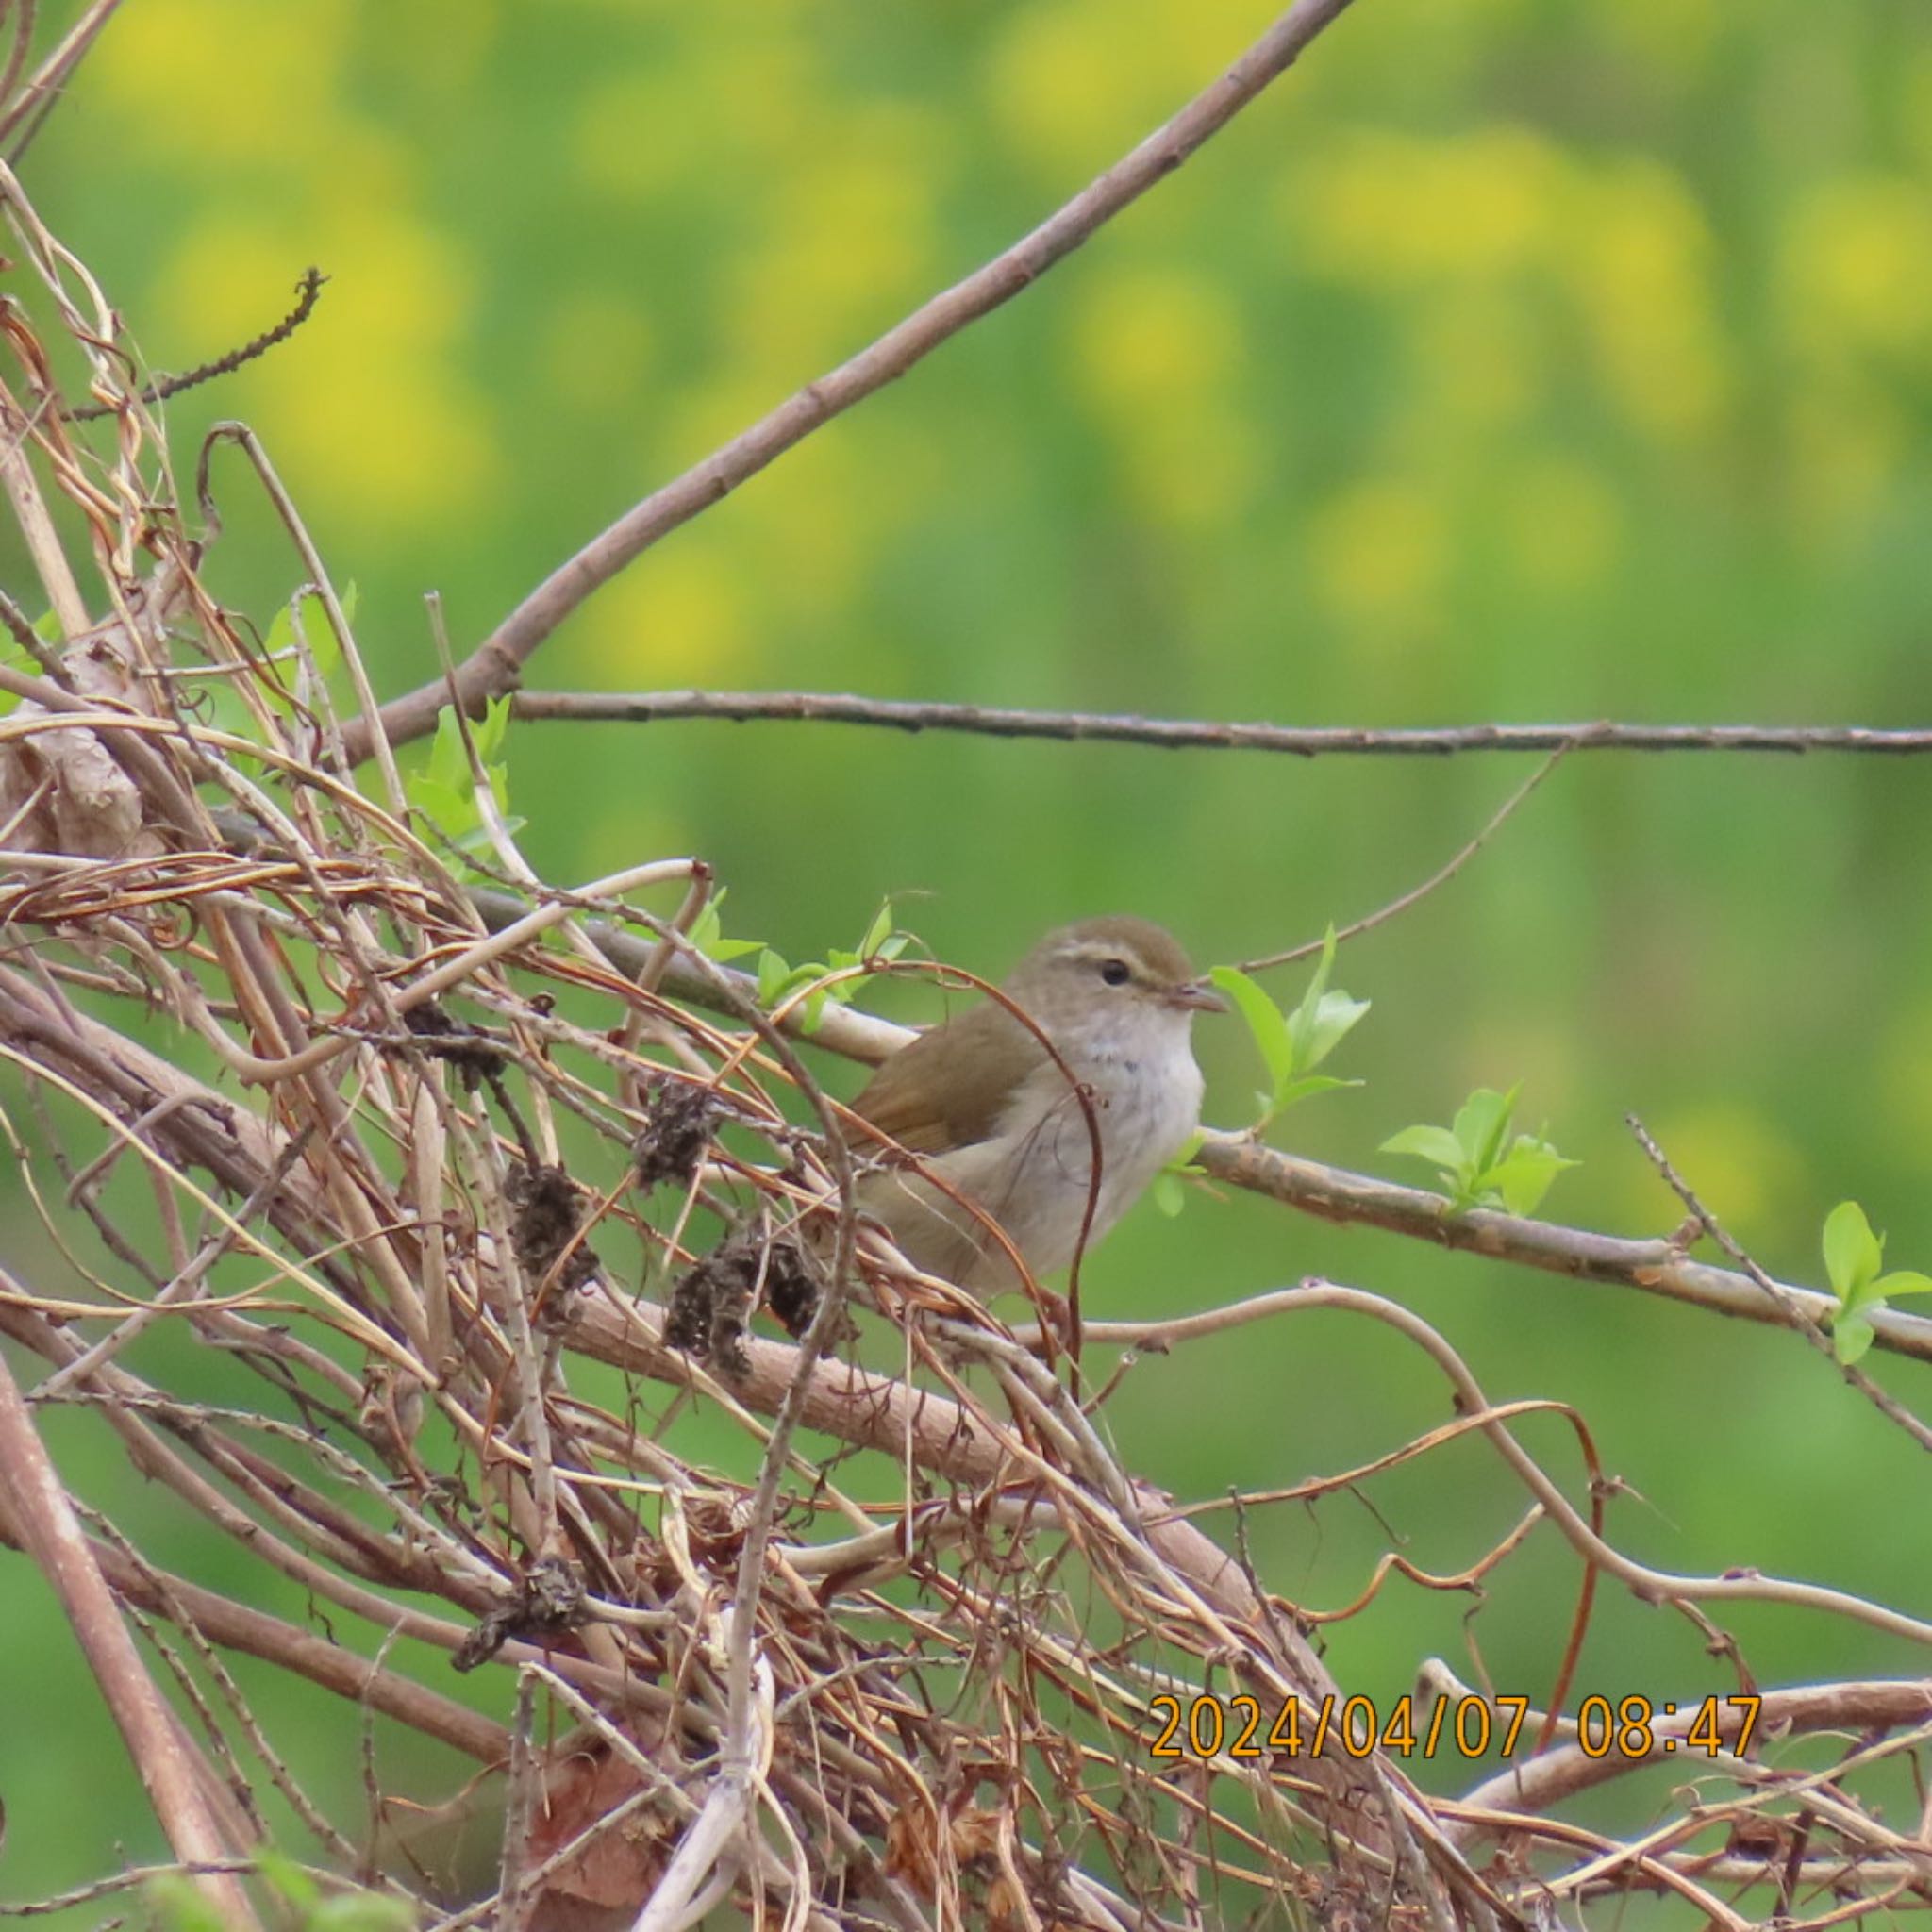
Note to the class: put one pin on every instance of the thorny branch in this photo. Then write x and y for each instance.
(308, 289)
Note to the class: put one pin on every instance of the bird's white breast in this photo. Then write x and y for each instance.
(1036, 1173)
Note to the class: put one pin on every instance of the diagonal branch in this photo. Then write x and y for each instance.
(496, 665)
(53, 1540)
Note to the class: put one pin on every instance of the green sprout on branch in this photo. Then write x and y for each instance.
(444, 792)
(1853, 1257)
(1479, 1165)
(779, 980)
(1293, 1045)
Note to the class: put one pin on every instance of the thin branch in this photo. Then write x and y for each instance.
(496, 666)
(56, 1541)
(1656, 1265)
(306, 289)
(335, 1667)
(1867, 1706)
(1441, 877)
(28, 108)
(1794, 1313)
(23, 41)
(1188, 734)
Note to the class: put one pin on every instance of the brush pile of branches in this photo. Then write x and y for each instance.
(533, 1316)
(484, 1263)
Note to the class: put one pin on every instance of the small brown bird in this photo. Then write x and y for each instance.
(1001, 1124)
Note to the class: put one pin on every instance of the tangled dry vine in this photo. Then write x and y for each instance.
(513, 1307)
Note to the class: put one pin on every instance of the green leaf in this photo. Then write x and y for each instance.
(324, 649)
(1480, 1124)
(1851, 1336)
(1308, 1084)
(1525, 1174)
(1334, 1016)
(1265, 1023)
(1318, 1024)
(226, 711)
(449, 766)
(706, 935)
(1318, 980)
(878, 932)
(19, 657)
(492, 728)
(360, 1912)
(444, 790)
(288, 1878)
(1437, 1144)
(772, 973)
(179, 1905)
(452, 813)
(705, 928)
(1168, 1194)
(1853, 1254)
(1867, 1297)
(1904, 1281)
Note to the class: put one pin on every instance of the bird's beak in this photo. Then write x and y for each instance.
(1195, 996)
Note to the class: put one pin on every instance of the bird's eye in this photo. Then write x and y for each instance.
(1115, 972)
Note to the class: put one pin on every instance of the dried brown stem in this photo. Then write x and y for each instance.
(55, 1540)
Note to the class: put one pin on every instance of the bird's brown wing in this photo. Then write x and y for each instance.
(979, 1049)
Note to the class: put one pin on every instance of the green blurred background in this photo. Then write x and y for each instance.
(1510, 360)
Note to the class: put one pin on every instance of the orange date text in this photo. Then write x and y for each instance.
(1241, 1727)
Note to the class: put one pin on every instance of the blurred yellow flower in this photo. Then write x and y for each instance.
(675, 616)
(1846, 439)
(1858, 266)
(1069, 84)
(1561, 523)
(1378, 554)
(1387, 210)
(387, 448)
(849, 246)
(809, 526)
(1744, 1168)
(1482, 355)
(1158, 354)
(155, 66)
(597, 347)
(1151, 338)
(363, 406)
(722, 105)
(1904, 1065)
(1638, 254)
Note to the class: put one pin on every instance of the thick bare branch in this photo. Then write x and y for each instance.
(55, 1540)
(496, 666)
